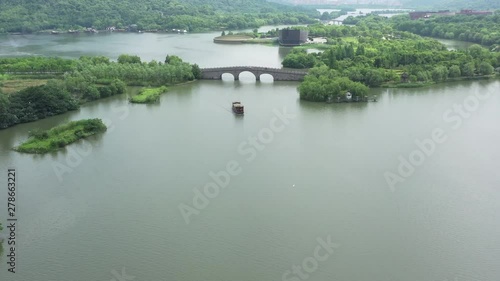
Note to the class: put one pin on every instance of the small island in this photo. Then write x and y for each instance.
(148, 95)
(41, 142)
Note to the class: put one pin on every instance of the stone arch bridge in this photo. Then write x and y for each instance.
(278, 74)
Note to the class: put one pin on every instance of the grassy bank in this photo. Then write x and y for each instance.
(148, 95)
(60, 136)
(11, 86)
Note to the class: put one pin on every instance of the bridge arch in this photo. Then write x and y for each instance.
(247, 74)
(264, 77)
(227, 75)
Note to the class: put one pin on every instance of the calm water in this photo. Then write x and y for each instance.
(363, 12)
(112, 202)
(455, 44)
(195, 48)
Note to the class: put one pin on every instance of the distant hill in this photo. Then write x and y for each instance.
(194, 15)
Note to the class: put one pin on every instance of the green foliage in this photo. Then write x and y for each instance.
(128, 59)
(468, 69)
(323, 83)
(439, 73)
(35, 64)
(454, 71)
(478, 29)
(140, 74)
(196, 71)
(86, 79)
(149, 95)
(38, 134)
(6, 117)
(173, 60)
(91, 93)
(299, 58)
(379, 54)
(60, 136)
(192, 15)
(485, 68)
(35, 103)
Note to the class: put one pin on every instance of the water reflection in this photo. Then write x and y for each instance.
(283, 51)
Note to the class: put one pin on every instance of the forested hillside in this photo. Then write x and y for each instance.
(483, 30)
(194, 15)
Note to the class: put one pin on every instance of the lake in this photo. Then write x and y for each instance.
(405, 188)
(363, 12)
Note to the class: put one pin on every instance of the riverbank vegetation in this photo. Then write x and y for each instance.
(35, 103)
(192, 15)
(375, 54)
(148, 95)
(85, 79)
(46, 141)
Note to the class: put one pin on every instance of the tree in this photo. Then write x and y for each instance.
(454, 71)
(332, 58)
(128, 59)
(174, 60)
(360, 51)
(468, 69)
(325, 16)
(374, 78)
(91, 93)
(6, 118)
(196, 71)
(485, 68)
(439, 73)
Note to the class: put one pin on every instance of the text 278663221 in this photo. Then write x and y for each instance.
(12, 220)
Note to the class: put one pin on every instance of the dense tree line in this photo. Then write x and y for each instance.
(194, 15)
(36, 64)
(86, 79)
(134, 72)
(35, 103)
(478, 29)
(323, 83)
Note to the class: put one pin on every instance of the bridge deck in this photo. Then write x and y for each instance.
(255, 68)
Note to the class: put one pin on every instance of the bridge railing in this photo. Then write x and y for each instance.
(250, 68)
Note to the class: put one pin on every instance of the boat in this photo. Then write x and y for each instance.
(238, 108)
